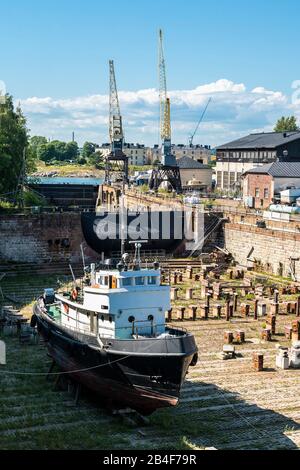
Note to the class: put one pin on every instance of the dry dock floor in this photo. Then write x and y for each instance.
(225, 403)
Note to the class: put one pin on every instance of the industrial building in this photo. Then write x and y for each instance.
(137, 154)
(239, 156)
(261, 184)
(194, 175)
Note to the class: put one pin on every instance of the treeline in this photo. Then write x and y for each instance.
(15, 157)
(59, 151)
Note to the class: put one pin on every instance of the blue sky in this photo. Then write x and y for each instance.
(54, 55)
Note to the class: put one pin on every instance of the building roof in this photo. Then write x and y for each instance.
(188, 163)
(278, 170)
(268, 140)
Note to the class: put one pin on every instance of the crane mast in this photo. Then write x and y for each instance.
(165, 114)
(115, 118)
(116, 162)
(167, 170)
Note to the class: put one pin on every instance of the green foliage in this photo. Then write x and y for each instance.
(88, 150)
(33, 199)
(57, 151)
(286, 124)
(34, 144)
(13, 141)
(97, 160)
(82, 161)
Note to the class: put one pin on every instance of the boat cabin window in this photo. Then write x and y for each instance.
(139, 281)
(126, 281)
(152, 280)
(103, 280)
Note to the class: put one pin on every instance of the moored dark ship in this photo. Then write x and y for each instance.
(111, 336)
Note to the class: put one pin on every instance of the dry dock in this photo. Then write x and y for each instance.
(225, 404)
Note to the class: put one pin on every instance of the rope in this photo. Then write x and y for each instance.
(62, 373)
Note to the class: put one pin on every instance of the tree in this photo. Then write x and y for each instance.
(46, 152)
(88, 149)
(36, 142)
(72, 151)
(286, 124)
(13, 142)
(96, 159)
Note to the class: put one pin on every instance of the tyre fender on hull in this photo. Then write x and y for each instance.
(194, 360)
(33, 321)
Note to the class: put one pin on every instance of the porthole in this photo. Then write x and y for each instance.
(150, 318)
(131, 319)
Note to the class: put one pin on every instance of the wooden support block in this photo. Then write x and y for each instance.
(240, 336)
(182, 312)
(228, 337)
(204, 311)
(258, 362)
(245, 310)
(266, 334)
(271, 320)
(288, 332)
(194, 309)
(189, 293)
(174, 293)
(217, 311)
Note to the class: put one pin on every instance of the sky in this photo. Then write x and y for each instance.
(242, 53)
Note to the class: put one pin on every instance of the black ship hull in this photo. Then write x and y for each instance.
(142, 374)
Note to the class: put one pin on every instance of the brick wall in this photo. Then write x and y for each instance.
(256, 186)
(42, 238)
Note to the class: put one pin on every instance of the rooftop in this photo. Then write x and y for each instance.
(278, 169)
(187, 163)
(267, 140)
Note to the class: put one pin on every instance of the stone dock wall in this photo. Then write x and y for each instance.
(42, 238)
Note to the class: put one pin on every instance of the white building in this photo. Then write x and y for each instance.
(199, 153)
(137, 153)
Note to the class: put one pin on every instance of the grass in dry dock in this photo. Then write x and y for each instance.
(224, 404)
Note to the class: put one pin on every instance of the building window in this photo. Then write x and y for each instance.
(139, 281)
(256, 192)
(219, 179)
(266, 193)
(232, 178)
(225, 179)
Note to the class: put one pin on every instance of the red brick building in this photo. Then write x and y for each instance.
(262, 183)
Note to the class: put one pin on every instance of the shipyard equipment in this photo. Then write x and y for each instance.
(191, 139)
(116, 162)
(168, 169)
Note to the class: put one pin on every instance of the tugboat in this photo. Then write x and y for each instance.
(110, 335)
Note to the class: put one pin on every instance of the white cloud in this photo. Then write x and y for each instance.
(234, 111)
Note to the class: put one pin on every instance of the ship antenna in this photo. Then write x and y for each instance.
(73, 275)
(83, 258)
(137, 254)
